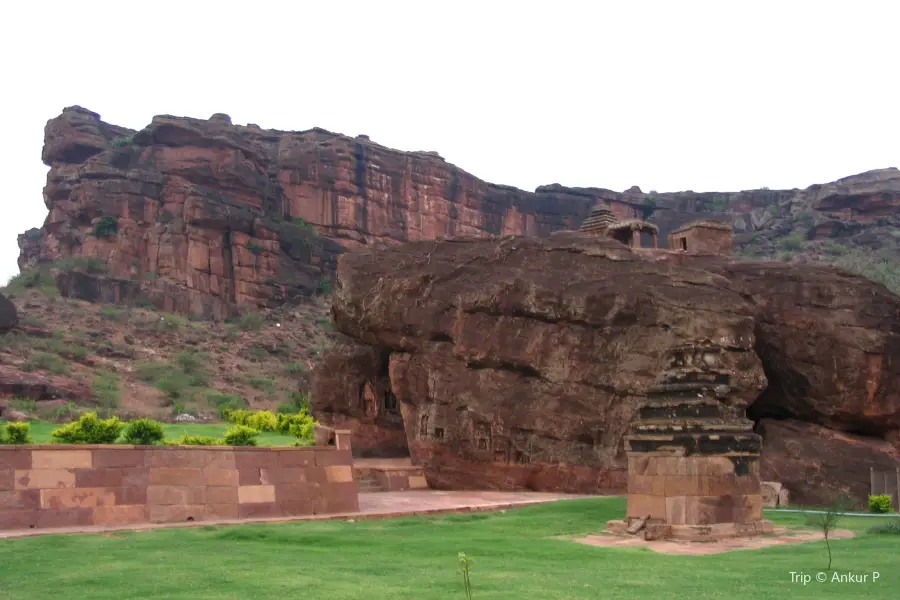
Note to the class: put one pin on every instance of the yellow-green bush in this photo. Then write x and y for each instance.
(198, 440)
(89, 429)
(16, 433)
(881, 503)
(144, 432)
(241, 435)
(263, 420)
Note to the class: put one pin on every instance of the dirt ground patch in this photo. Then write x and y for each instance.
(781, 537)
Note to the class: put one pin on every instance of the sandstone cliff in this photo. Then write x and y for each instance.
(520, 362)
(198, 216)
(202, 214)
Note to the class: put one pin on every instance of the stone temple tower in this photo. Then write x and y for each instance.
(693, 458)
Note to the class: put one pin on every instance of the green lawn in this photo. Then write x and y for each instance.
(40, 433)
(516, 557)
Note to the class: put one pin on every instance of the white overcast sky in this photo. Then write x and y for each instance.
(668, 95)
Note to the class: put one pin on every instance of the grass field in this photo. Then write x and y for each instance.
(40, 433)
(516, 555)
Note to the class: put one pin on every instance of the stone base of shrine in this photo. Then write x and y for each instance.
(655, 529)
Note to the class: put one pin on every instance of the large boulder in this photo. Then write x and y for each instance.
(818, 465)
(520, 362)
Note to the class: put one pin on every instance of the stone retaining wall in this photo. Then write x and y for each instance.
(70, 486)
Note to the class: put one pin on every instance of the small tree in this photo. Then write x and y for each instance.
(827, 520)
(465, 567)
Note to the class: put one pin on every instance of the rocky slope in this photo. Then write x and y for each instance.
(520, 362)
(64, 355)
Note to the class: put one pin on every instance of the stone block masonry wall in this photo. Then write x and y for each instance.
(694, 490)
(71, 486)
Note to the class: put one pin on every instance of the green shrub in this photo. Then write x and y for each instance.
(106, 388)
(175, 385)
(892, 527)
(198, 440)
(295, 369)
(266, 385)
(89, 429)
(190, 361)
(144, 432)
(238, 417)
(122, 141)
(286, 408)
(793, 242)
(325, 286)
(17, 433)
(251, 321)
(299, 425)
(226, 403)
(719, 204)
(881, 503)
(46, 362)
(263, 420)
(241, 435)
(106, 227)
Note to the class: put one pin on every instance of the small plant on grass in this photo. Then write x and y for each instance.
(89, 429)
(881, 503)
(17, 433)
(144, 432)
(465, 568)
(241, 435)
(890, 528)
(827, 521)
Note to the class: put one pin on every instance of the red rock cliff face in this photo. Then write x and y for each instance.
(210, 214)
(520, 362)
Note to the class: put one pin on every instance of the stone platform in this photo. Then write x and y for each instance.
(388, 475)
(659, 530)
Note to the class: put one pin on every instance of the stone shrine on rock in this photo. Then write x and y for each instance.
(602, 222)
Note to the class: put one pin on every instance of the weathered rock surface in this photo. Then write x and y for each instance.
(353, 391)
(41, 386)
(9, 316)
(817, 465)
(210, 214)
(520, 362)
